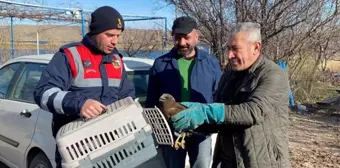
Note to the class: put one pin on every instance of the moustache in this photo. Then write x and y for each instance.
(234, 60)
(183, 47)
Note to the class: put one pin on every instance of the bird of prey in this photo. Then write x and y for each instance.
(169, 107)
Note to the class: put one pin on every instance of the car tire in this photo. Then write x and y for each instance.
(40, 161)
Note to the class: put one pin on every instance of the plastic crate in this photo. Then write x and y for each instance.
(121, 137)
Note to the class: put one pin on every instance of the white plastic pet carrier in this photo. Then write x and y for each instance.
(125, 136)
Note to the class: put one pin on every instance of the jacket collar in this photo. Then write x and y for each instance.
(173, 55)
(107, 58)
(251, 71)
(248, 82)
(255, 65)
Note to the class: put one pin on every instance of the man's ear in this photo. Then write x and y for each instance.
(257, 46)
(197, 35)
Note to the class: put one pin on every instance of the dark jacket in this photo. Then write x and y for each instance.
(256, 119)
(59, 77)
(165, 78)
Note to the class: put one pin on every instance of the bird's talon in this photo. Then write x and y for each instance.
(177, 143)
(180, 141)
(183, 140)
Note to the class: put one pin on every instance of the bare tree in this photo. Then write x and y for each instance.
(279, 17)
(302, 33)
(141, 42)
(212, 18)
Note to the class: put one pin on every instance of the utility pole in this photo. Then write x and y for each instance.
(12, 38)
(38, 50)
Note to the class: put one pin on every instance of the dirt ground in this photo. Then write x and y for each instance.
(315, 140)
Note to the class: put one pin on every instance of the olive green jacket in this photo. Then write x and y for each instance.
(256, 118)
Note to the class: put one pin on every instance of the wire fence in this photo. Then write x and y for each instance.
(27, 29)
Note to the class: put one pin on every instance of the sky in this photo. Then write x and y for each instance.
(125, 7)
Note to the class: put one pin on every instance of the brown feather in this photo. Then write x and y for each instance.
(169, 106)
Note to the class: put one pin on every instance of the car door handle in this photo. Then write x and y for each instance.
(26, 113)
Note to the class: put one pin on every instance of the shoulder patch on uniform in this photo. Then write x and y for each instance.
(116, 62)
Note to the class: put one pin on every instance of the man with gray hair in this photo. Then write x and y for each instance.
(250, 112)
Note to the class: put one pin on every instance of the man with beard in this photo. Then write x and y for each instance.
(188, 74)
(84, 77)
(251, 109)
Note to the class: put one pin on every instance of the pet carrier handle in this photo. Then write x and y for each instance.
(87, 119)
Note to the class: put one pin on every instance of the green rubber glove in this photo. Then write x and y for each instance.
(198, 114)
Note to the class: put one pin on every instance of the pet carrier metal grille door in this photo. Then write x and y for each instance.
(160, 127)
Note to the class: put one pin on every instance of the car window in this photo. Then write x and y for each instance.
(140, 79)
(28, 79)
(6, 76)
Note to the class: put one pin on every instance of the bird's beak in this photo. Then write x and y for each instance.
(161, 98)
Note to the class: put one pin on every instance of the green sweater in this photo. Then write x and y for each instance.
(185, 68)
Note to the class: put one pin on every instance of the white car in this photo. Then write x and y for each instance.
(26, 139)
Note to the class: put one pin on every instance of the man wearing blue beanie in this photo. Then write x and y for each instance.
(105, 22)
(84, 77)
